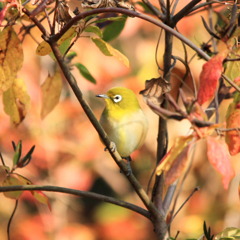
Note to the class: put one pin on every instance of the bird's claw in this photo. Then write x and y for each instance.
(112, 147)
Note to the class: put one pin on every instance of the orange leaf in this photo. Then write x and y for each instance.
(209, 77)
(41, 197)
(233, 136)
(219, 157)
(177, 167)
(175, 160)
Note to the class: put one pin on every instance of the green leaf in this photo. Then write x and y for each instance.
(85, 73)
(101, 20)
(27, 158)
(71, 55)
(232, 67)
(108, 50)
(18, 153)
(93, 29)
(112, 30)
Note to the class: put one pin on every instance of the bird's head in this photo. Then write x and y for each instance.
(120, 98)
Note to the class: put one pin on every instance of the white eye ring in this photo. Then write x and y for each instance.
(117, 98)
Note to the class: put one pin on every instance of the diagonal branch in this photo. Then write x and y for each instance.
(156, 216)
(78, 193)
(184, 11)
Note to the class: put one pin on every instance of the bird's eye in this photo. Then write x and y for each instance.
(117, 98)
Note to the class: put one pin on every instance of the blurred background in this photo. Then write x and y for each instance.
(69, 153)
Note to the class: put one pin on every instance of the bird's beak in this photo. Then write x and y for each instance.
(102, 96)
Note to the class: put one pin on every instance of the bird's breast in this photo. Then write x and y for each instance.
(128, 131)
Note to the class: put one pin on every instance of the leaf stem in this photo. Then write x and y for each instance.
(11, 218)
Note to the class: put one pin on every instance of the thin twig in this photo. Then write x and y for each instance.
(233, 84)
(154, 10)
(78, 193)
(194, 190)
(11, 218)
(156, 50)
(2, 160)
(174, 7)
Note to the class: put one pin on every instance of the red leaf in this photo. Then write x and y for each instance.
(209, 77)
(219, 157)
(233, 137)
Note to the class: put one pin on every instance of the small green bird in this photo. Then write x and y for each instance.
(123, 120)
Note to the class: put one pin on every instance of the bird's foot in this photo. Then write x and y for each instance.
(112, 147)
(129, 168)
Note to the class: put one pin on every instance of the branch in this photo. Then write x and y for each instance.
(156, 216)
(184, 11)
(78, 193)
(131, 14)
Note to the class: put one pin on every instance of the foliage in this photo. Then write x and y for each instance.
(47, 51)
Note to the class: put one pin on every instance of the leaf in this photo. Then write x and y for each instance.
(107, 19)
(26, 159)
(108, 50)
(219, 157)
(112, 30)
(85, 73)
(232, 67)
(45, 49)
(233, 137)
(11, 57)
(18, 153)
(14, 180)
(175, 160)
(229, 232)
(4, 170)
(16, 101)
(209, 77)
(94, 29)
(41, 197)
(51, 91)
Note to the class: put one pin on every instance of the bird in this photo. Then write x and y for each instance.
(123, 120)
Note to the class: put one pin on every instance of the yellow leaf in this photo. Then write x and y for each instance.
(108, 50)
(168, 161)
(16, 101)
(14, 180)
(51, 91)
(44, 48)
(11, 57)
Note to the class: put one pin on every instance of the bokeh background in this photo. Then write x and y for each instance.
(69, 153)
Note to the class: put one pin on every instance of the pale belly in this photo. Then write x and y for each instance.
(128, 135)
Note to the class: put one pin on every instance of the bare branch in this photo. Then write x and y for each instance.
(78, 193)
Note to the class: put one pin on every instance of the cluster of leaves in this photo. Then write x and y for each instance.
(174, 162)
(9, 176)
